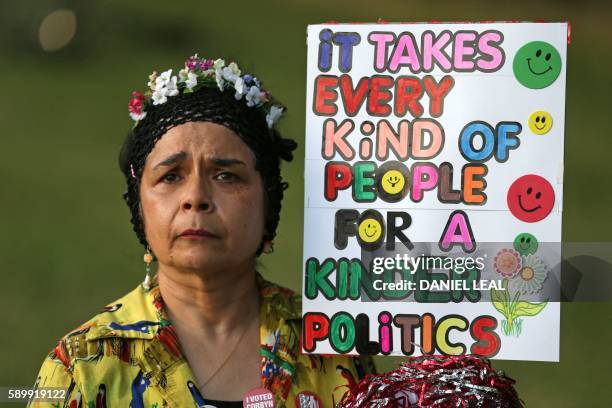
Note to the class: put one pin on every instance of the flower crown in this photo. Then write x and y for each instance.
(200, 72)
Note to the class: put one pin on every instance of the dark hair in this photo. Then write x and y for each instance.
(208, 104)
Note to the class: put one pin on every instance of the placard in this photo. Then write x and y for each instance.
(433, 189)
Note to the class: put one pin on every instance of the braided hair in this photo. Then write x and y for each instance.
(208, 104)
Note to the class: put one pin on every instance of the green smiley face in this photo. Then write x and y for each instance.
(537, 64)
(525, 244)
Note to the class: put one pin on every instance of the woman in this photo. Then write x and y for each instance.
(202, 165)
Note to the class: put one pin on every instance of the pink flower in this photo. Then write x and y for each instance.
(192, 62)
(507, 263)
(136, 106)
(206, 64)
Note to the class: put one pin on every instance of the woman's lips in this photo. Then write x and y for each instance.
(196, 234)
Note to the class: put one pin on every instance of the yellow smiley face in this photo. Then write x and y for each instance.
(369, 230)
(540, 122)
(392, 182)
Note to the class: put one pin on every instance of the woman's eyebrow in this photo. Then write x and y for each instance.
(172, 159)
(224, 161)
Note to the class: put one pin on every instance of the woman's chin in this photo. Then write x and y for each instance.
(206, 257)
(201, 257)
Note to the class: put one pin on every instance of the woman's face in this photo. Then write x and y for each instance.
(201, 176)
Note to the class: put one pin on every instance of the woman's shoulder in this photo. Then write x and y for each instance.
(104, 343)
(278, 301)
(132, 316)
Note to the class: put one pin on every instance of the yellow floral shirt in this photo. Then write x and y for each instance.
(129, 355)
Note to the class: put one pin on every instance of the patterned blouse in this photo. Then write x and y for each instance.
(129, 355)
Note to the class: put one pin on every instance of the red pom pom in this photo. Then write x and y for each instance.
(436, 381)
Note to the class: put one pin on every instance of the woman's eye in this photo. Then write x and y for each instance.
(170, 177)
(226, 176)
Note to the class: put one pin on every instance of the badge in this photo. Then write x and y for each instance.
(258, 398)
(307, 399)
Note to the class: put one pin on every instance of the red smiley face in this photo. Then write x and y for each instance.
(531, 198)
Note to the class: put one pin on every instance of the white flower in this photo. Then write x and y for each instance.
(171, 88)
(152, 78)
(234, 68)
(231, 72)
(166, 80)
(228, 75)
(192, 80)
(254, 96)
(239, 87)
(274, 115)
(219, 78)
(163, 79)
(138, 116)
(531, 277)
(182, 75)
(165, 85)
(159, 97)
(218, 64)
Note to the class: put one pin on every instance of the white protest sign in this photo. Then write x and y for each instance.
(433, 189)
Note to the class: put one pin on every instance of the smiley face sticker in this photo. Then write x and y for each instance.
(531, 198)
(393, 181)
(537, 64)
(370, 230)
(525, 244)
(540, 122)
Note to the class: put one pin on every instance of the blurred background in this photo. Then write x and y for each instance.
(67, 69)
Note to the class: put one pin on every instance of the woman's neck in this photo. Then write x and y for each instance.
(211, 304)
(216, 316)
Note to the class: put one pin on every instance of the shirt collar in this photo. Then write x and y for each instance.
(133, 316)
(140, 315)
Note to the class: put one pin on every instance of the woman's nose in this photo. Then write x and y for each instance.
(198, 196)
(203, 206)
